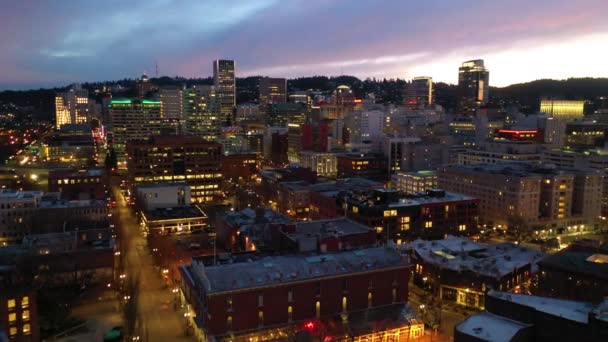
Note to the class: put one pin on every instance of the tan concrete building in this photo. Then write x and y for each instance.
(551, 200)
(412, 182)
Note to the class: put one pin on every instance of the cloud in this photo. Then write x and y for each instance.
(58, 42)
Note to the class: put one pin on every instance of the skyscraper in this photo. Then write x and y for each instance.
(134, 119)
(419, 92)
(223, 78)
(172, 107)
(273, 90)
(202, 113)
(473, 85)
(72, 106)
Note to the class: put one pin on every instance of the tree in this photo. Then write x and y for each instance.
(519, 228)
(111, 161)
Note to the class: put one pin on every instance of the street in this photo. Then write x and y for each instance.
(157, 318)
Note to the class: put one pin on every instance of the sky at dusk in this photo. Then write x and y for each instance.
(54, 43)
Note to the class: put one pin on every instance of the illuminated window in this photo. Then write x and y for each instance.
(11, 304)
(25, 301)
(12, 317)
(26, 329)
(405, 219)
(229, 323)
(369, 299)
(379, 230)
(547, 181)
(25, 315)
(428, 224)
(388, 213)
(355, 210)
(13, 331)
(290, 312)
(318, 309)
(344, 303)
(405, 226)
(447, 208)
(563, 186)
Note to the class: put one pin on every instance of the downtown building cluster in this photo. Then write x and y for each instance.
(304, 214)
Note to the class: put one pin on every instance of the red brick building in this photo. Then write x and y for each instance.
(281, 291)
(79, 184)
(188, 159)
(240, 167)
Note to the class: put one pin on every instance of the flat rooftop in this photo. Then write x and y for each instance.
(520, 169)
(334, 227)
(72, 172)
(568, 309)
(248, 216)
(276, 270)
(590, 263)
(60, 203)
(9, 194)
(461, 254)
(489, 327)
(160, 185)
(174, 213)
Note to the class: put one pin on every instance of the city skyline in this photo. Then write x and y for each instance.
(54, 45)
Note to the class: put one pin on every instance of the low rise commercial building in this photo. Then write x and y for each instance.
(525, 318)
(176, 220)
(579, 272)
(79, 184)
(362, 165)
(280, 292)
(19, 314)
(460, 271)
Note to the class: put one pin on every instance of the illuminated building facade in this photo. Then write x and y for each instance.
(72, 107)
(343, 96)
(473, 85)
(419, 92)
(283, 291)
(134, 119)
(172, 107)
(188, 159)
(398, 216)
(202, 112)
(323, 163)
(272, 90)
(224, 81)
(16, 213)
(551, 201)
(365, 165)
(79, 184)
(563, 109)
(19, 314)
(283, 114)
(586, 135)
(412, 182)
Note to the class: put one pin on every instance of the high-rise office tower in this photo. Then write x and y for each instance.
(473, 85)
(202, 112)
(419, 92)
(172, 107)
(224, 80)
(72, 106)
(273, 90)
(134, 119)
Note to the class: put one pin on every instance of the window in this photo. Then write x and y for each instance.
(369, 299)
(290, 296)
(229, 304)
(344, 303)
(318, 289)
(405, 219)
(405, 226)
(462, 227)
(229, 323)
(26, 329)
(563, 186)
(13, 331)
(25, 316)
(318, 309)
(12, 317)
(428, 224)
(290, 313)
(355, 210)
(388, 213)
(11, 304)
(260, 300)
(25, 301)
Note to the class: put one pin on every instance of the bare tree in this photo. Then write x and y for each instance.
(519, 228)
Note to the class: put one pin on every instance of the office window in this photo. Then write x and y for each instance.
(261, 318)
(428, 224)
(405, 219)
(13, 331)
(11, 304)
(12, 317)
(318, 309)
(290, 313)
(26, 329)
(388, 213)
(229, 323)
(25, 316)
(25, 301)
(462, 227)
